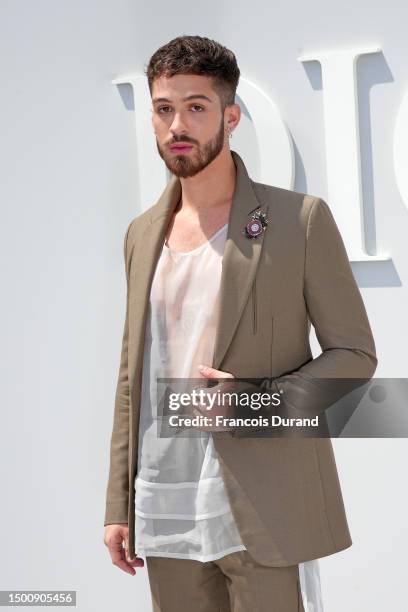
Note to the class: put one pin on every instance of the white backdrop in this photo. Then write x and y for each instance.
(69, 187)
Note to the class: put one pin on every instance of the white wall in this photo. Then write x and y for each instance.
(69, 187)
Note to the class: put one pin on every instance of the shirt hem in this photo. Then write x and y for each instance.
(201, 558)
(183, 517)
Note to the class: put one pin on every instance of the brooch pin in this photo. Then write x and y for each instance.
(256, 225)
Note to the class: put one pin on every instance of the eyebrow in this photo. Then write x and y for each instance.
(192, 97)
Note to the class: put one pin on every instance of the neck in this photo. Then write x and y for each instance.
(212, 187)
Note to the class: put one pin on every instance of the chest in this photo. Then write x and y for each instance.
(185, 233)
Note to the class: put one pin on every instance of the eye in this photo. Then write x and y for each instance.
(159, 110)
(201, 108)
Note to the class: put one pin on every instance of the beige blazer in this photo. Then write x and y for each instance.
(284, 493)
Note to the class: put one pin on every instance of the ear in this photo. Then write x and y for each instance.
(233, 116)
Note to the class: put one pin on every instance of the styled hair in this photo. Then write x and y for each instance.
(197, 55)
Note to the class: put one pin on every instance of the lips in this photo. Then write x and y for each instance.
(181, 147)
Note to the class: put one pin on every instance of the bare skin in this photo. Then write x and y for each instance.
(185, 233)
(207, 174)
(116, 538)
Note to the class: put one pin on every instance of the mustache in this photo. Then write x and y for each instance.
(182, 139)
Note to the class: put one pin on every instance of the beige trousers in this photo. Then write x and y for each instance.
(234, 583)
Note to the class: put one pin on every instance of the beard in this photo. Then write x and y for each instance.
(190, 164)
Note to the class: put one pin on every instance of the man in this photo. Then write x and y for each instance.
(227, 522)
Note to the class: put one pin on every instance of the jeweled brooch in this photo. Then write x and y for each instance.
(256, 225)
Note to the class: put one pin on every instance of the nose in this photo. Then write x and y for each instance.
(178, 127)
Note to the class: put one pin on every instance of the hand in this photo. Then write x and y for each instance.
(114, 537)
(211, 373)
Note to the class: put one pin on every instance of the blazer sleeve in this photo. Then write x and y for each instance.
(336, 310)
(117, 492)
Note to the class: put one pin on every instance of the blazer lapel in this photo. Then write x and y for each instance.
(239, 264)
(147, 251)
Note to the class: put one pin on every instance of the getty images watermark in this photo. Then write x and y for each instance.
(236, 407)
(294, 405)
(217, 409)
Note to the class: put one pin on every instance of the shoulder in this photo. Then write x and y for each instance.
(289, 201)
(293, 208)
(136, 228)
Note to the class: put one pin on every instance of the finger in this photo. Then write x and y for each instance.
(210, 372)
(134, 561)
(118, 559)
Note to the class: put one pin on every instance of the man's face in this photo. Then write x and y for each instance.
(188, 122)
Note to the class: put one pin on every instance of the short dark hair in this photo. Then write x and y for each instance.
(197, 55)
